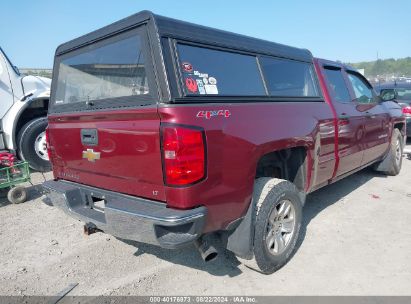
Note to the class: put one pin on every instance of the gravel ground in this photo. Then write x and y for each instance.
(356, 240)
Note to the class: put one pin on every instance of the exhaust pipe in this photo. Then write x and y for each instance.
(207, 251)
(90, 228)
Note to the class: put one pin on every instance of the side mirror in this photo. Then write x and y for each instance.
(387, 95)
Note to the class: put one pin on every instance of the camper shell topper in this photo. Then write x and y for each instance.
(178, 62)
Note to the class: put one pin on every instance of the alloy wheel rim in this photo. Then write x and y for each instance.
(40, 146)
(280, 227)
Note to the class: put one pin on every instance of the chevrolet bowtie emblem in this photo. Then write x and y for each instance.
(90, 155)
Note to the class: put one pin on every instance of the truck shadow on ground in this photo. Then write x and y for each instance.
(227, 264)
(332, 194)
(33, 192)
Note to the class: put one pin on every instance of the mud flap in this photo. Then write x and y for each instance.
(241, 241)
(385, 164)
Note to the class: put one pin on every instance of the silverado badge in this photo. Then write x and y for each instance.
(90, 155)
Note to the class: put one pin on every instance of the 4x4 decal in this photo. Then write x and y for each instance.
(209, 114)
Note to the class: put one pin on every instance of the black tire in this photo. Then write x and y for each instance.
(26, 141)
(17, 195)
(269, 193)
(395, 154)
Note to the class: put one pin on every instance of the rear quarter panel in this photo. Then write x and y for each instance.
(236, 143)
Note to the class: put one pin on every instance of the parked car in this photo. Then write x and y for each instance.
(401, 93)
(23, 110)
(166, 132)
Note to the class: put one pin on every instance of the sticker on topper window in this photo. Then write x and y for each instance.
(211, 89)
(187, 67)
(191, 85)
(212, 80)
(200, 86)
(201, 75)
(199, 82)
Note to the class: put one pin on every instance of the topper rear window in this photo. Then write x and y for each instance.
(108, 72)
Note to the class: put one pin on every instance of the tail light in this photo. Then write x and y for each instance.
(406, 110)
(183, 150)
(48, 143)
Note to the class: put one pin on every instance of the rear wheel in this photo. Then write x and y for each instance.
(278, 222)
(31, 143)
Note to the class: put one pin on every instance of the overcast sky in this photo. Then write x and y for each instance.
(346, 30)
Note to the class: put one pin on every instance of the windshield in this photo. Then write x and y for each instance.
(113, 70)
(16, 70)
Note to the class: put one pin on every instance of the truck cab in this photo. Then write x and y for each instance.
(364, 121)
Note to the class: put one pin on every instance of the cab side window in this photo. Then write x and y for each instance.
(336, 85)
(362, 90)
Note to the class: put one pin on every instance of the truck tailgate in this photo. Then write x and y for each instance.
(117, 150)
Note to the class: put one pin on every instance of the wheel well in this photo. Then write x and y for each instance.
(288, 164)
(399, 126)
(37, 108)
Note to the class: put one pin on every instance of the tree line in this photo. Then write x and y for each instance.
(385, 67)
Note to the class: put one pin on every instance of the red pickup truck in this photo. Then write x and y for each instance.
(167, 132)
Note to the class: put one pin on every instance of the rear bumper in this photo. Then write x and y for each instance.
(408, 126)
(128, 217)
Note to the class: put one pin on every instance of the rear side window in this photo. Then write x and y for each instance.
(336, 85)
(214, 72)
(289, 78)
(103, 71)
